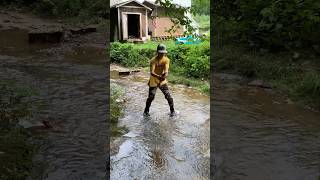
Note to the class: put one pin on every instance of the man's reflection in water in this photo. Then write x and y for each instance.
(159, 140)
(158, 158)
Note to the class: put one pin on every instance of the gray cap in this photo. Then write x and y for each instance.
(161, 48)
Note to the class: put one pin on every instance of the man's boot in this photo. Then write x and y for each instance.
(172, 111)
(146, 109)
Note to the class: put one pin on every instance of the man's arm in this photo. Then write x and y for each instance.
(166, 70)
(152, 69)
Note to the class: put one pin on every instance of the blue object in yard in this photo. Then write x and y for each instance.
(188, 40)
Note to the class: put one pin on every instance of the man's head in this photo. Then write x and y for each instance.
(161, 50)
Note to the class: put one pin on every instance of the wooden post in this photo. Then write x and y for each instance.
(147, 31)
(119, 25)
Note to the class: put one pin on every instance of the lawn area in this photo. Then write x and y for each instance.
(153, 44)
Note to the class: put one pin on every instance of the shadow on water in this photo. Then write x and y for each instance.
(15, 42)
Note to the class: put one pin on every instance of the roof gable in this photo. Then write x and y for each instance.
(118, 4)
(181, 3)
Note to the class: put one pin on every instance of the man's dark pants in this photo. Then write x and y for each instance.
(152, 92)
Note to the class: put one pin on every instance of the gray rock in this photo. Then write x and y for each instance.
(124, 73)
(44, 124)
(81, 31)
(259, 83)
(295, 55)
(27, 125)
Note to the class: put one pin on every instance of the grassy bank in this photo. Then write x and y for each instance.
(189, 64)
(116, 110)
(16, 146)
(292, 73)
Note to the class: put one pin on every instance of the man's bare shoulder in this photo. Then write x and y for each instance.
(153, 59)
(167, 59)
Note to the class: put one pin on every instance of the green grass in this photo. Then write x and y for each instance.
(201, 85)
(16, 146)
(298, 78)
(116, 109)
(153, 44)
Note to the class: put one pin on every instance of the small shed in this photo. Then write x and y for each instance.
(129, 21)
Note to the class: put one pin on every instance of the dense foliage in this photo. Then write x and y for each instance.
(271, 24)
(201, 7)
(65, 8)
(186, 60)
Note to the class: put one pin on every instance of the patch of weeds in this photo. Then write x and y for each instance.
(16, 146)
(116, 110)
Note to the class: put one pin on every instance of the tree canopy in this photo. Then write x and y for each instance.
(275, 24)
(201, 7)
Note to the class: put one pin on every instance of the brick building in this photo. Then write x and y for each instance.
(135, 20)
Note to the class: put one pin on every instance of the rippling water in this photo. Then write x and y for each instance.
(259, 135)
(72, 91)
(161, 147)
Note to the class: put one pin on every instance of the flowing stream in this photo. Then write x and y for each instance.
(70, 82)
(258, 134)
(160, 147)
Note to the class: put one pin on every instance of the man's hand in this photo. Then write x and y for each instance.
(162, 78)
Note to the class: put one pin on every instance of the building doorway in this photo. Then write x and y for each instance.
(134, 26)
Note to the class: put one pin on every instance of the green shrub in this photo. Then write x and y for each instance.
(310, 87)
(271, 23)
(186, 60)
(125, 54)
(197, 61)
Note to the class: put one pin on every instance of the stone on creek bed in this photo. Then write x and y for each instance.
(83, 30)
(127, 72)
(45, 36)
(44, 124)
(260, 83)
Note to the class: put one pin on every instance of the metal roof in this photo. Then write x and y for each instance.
(119, 3)
(183, 3)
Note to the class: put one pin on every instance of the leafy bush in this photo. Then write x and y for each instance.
(187, 60)
(273, 24)
(197, 62)
(126, 55)
(201, 7)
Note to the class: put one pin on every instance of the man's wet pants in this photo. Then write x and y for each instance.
(152, 92)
